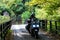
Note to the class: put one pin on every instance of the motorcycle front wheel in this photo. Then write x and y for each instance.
(36, 35)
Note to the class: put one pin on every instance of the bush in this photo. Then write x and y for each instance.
(25, 15)
(4, 19)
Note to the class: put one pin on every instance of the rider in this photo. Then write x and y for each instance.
(31, 19)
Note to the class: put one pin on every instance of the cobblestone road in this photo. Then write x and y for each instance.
(20, 33)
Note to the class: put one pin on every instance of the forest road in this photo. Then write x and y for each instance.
(20, 33)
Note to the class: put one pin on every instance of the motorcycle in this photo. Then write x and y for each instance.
(34, 29)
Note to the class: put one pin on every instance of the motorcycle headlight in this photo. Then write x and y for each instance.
(37, 25)
(33, 25)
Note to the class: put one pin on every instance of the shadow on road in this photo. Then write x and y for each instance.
(24, 37)
(20, 33)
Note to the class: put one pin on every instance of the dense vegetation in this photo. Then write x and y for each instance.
(44, 9)
(4, 19)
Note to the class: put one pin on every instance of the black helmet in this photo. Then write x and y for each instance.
(33, 14)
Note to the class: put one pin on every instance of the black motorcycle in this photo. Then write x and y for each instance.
(34, 29)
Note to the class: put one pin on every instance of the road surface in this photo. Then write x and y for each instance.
(20, 33)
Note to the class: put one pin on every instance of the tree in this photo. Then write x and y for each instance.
(47, 8)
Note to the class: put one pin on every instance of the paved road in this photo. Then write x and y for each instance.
(20, 33)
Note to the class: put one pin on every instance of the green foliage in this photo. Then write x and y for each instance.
(25, 15)
(9, 4)
(17, 7)
(41, 14)
(46, 10)
(4, 19)
(11, 12)
(9, 31)
(5, 5)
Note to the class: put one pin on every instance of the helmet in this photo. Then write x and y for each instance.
(32, 15)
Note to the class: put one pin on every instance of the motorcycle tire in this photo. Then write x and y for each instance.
(32, 33)
(36, 35)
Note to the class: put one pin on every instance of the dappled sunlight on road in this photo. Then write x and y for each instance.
(18, 26)
(20, 33)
